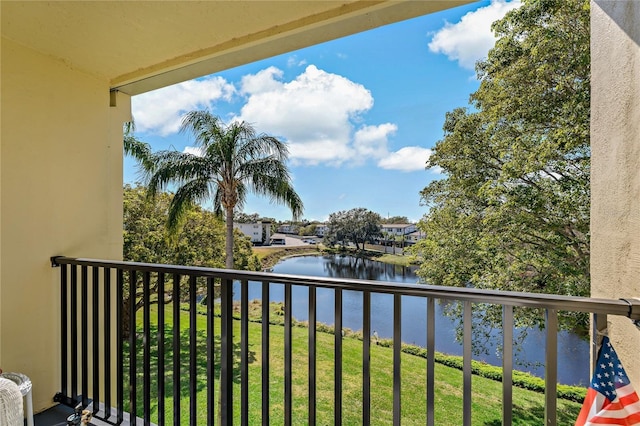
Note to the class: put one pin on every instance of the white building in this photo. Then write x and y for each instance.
(398, 229)
(288, 228)
(259, 232)
(321, 230)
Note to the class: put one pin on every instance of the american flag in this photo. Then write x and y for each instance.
(610, 400)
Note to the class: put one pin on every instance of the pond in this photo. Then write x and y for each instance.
(573, 352)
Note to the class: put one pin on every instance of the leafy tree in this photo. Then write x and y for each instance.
(356, 225)
(512, 212)
(395, 219)
(233, 160)
(310, 229)
(200, 241)
(240, 217)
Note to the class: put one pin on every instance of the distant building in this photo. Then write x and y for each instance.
(259, 232)
(414, 237)
(321, 230)
(278, 239)
(398, 229)
(288, 228)
(396, 234)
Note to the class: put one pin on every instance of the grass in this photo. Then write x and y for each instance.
(270, 255)
(394, 259)
(528, 406)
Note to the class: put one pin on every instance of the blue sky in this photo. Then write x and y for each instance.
(360, 114)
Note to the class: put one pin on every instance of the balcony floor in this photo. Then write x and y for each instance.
(57, 415)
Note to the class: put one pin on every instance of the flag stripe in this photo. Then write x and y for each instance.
(610, 399)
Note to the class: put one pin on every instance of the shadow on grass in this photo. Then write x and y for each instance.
(183, 382)
(533, 416)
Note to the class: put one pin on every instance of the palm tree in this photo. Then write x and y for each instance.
(233, 160)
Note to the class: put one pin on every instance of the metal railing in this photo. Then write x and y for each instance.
(126, 361)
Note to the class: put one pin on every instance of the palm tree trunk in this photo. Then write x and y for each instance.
(229, 240)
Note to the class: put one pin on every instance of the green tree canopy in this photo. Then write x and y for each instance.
(200, 241)
(395, 219)
(512, 211)
(356, 225)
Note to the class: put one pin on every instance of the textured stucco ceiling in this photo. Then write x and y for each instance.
(143, 45)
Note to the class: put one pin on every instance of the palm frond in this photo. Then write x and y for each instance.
(184, 199)
(174, 167)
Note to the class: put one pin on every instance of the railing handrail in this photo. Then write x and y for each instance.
(629, 307)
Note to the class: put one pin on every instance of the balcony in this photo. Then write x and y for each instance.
(220, 367)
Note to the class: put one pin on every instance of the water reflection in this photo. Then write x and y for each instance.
(573, 353)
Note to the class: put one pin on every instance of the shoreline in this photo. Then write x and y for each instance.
(269, 256)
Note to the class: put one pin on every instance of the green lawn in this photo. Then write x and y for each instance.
(528, 406)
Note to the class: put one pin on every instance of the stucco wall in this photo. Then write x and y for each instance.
(615, 177)
(61, 193)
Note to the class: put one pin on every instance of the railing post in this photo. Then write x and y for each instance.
(176, 348)
(507, 364)
(431, 358)
(551, 368)
(397, 356)
(366, 358)
(466, 361)
(226, 358)
(337, 380)
(132, 346)
(244, 350)
(265, 352)
(210, 353)
(312, 355)
(193, 336)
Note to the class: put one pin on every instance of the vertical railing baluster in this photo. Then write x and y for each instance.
(176, 348)
(146, 341)
(106, 316)
(161, 349)
(95, 339)
(244, 353)
(551, 367)
(466, 364)
(84, 322)
(193, 360)
(74, 331)
(226, 361)
(312, 354)
(397, 352)
(64, 342)
(366, 358)
(287, 354)
(211, 403)
(119, 346)
(265, 352)
(507, 364)
(337, 380)
(132, 347)
(431, 360)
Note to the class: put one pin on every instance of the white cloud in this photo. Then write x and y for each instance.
(160, 112)
(195, 150)
(471, 39)
(407, 159)
(316, 112)
(264, 81)
(372, 141)
(293, 61)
